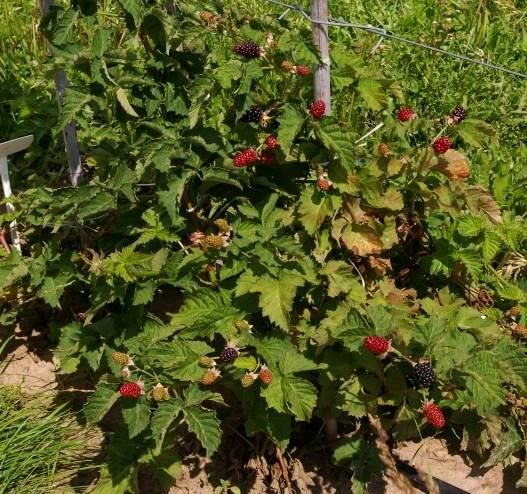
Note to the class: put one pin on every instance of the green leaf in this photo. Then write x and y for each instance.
(120, 482)
(136, 415)
(277, 295)
(64, 29)
(205, 425)
(53, 288)
(205, 312)
(99, 403)
(247, 362)
(314, 207)
(100, 42)
(12, 268)
(170, 199)
(163, 418)
(276, 425)
(338, 141)
(134, 8)
(476, 133)
(228, 72)
(290, 123)
(300, 396)
(74, 102)
(373, 94)
(341, 277)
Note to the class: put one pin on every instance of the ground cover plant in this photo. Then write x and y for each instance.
(234, 255)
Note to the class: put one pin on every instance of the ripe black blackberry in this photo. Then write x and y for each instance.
(422, 375)
(248, 49)
(228, 354)
(458, 114)
(254, 114)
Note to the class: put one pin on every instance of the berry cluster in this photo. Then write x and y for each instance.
(376, 344)
(245, 158)
(253, 115)
(131, 390)
(457, 115)
(442, 144)
(422, 375)
(228, 354)
(406, 114)
(317, 109)
(434, 415)
(248, 49)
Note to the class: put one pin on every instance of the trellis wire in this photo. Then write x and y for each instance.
(384, 34)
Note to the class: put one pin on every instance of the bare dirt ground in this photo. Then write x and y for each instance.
(30, 365)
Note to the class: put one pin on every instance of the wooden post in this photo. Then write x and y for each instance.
(69, 132)
(319, 12)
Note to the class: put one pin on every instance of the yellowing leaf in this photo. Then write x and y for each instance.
(361, 240)
(480, 200)
(123, 101)
(452, 164)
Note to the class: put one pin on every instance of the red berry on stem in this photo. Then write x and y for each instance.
(376, 344)
(248, 49)
(131, 390)
(271, 142)
(245, 158)
(434, 415)
(317, 109)
(442, 144)
(303, 70)
(406, 114)
(323, 182)
(265, 375)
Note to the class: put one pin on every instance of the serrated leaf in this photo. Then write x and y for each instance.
(204, 313)
(163, 418)
(314, 207)
(480, 200)
(205, 425)
(339, 142)
(290, 123)
(361, 240)
(170, 199)
(277, 295)
(99, 403)
(341, 277)
(136, 415)
(228, 72)
(134, 8)
(476, 132)
(74, 102)
(100, 42)
(125, 104)
(373, 94)
(300, 396)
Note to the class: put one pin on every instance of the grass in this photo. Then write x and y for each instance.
(41, 445)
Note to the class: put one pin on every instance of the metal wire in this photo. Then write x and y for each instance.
(383, 34)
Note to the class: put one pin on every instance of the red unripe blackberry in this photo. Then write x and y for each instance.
(228, 354)
(423, 375)
(268, 157)
(317, 109)
(248, 49)
(434, 415)
(406, 114)
(442, 144)
(131, 390)
(265, 375)
(376, 344)
(458, 114)
(384, 150)
(272, 143)
(254, 114)
(303, 70)
(245, 158)
(323, 182)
